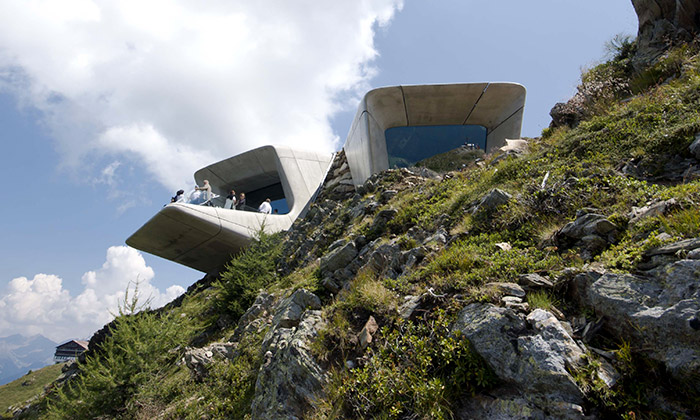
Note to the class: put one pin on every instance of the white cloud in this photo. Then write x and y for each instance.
(174, 85)
(42, 306)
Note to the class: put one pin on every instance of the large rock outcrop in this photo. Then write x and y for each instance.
(658, 312)
(290, 380)
(662, 23)
(531, 354)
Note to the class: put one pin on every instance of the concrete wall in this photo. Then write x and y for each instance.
(496, 106)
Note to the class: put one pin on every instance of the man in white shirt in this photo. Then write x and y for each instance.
(206, 188)
(265, 207)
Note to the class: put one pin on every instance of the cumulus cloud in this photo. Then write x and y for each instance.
(42, 306)
(169, 81)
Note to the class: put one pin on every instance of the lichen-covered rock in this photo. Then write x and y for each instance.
(686, 245)
(656, 312)
(534, 280)
(652, 210)
(532, 354)
(590, 231)
(255, 317)
(509, 289)
(197, 359)
(494, 199)
(505, 403)
(290, 309)
(338, 258)
(290, 381)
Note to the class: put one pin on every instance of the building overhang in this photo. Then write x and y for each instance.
(203, 237)
(498, 107)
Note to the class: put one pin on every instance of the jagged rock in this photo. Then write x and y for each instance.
(257, 315)
(290, 309)
(656, 312)
(382, 218)
(676, 169)
(290, 381)
(410, 304)
(385, 259)
(674, 248)
(534, 280)
(694, 147)
(505, 403)
(590, 231)
(661, 24)
(657, 209)
(494, 199)
(533, 355)
(365, 335)
(338, 258)
(568, 114)
(509, 289)
(440, 237)
(198, 359)
(387, 195)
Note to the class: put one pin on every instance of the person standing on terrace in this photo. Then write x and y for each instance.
(231, 200)
(265, 207)
(241, 202)
(207, 188)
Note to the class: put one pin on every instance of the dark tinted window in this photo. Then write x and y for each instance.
(408, 145)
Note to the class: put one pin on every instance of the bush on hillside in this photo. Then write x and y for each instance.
(253, 269)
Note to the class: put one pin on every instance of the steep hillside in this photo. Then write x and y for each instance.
(556, 280)
(16, 393)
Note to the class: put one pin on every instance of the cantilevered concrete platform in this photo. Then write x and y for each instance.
(204, 238)
(497, 107)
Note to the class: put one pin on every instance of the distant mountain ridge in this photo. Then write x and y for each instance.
(19, 354)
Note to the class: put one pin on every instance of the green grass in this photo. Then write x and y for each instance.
(17, 392)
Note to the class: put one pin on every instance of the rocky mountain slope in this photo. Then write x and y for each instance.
(556, 279)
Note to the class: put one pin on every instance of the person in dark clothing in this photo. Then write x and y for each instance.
(231, 200)
(241, 202)
(178, 196)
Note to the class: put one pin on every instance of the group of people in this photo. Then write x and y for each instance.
(232, 202)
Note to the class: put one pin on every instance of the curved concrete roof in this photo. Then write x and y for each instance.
(496, 106)
(204, 237)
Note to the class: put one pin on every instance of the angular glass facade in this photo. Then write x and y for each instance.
(408, 145)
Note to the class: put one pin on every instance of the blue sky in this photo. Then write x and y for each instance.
(106, 110)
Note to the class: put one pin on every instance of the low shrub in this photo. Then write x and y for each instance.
(416, 371)
(253, 269)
